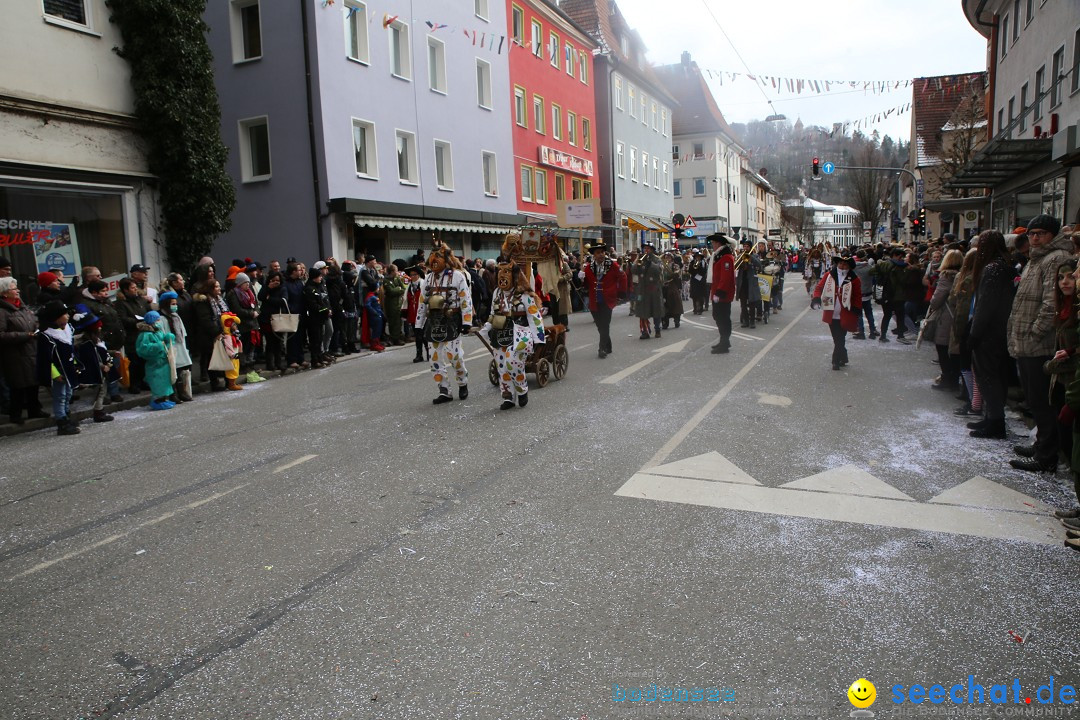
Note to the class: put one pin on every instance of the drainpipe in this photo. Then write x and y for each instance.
(316, 189)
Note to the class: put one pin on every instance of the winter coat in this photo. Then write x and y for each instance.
(650, 280)
(612, 283)
(185, 308)
(207, 322)
(412, 302)
(294, 295)
(849, 312)
(56, 357)
(316, 301)
(673, 277)
(245, 307)
(993, 303)
(47, 295)
(960, 304)
(177, 327)
(154, 345)
(112, 329)
(699, 286)
(18, 347)
(939, 305)
(1068, 337)
(723, 275)
(891, 276)
(865, 272)
(272, 302)
(93, 358)
(336, 290)
(1031, 323)
(131, 312)
(746, 283)
(395, 291)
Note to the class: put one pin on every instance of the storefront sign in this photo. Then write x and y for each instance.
(22, 232)
(565, 161)
(57, 249)
(579, 213)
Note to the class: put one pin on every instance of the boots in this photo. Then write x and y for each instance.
(463, 392)
(231, 384)
(507, 401)
(65, 426)
(993, 429)
(101, 416)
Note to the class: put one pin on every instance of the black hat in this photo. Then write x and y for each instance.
(96, 285)
(412, 269)
(368, 258)
(598, 245)
(718, 237)
(50, 311)
(137, 267)
(4, 262)
(1045, 222)
(843, 258)
(746, 241)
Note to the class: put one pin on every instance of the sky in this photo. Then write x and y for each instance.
(882, 40)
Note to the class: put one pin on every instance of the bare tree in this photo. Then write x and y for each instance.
(865, 189)
(798, 221)
(961, 138)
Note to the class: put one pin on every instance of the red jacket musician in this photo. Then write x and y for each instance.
(605, 284)
(722, 289)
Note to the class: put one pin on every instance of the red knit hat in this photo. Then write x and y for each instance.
(46, 279)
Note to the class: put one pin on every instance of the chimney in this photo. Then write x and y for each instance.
(685, 58)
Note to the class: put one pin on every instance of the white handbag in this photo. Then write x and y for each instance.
(285, 322)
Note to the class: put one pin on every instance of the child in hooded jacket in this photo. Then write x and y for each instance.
(169, 303)
(155, 346)
(57, 367)
(95, 360)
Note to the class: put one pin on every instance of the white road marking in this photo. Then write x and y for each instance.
(677, 439)
(113, 538)
(656, 355)
(427, 368)
(777, 400)
(294, 463)
(712, 328)
(978, 507)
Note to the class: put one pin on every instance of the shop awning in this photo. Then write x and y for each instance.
(981, 202)
(644, 222)
(1000, 161)
(417, 224)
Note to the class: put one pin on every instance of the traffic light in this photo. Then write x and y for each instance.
(817, 167)
(916, 227)
(922, 220)
(677, 220)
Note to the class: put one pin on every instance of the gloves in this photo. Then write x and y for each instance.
(1067, 415)
(815, 304)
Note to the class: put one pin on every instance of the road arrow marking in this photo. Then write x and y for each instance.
(978, 507)
(741, 336)
(656, 355)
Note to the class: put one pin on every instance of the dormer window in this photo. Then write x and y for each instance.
(624, 45)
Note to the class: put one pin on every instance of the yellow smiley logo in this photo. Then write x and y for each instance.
(862, 693)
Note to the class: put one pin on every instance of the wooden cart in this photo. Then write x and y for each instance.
(550, 360)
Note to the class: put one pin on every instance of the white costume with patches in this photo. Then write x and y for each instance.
(447, 356)
(522, 310)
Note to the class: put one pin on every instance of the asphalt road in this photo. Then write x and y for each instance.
(330, 545)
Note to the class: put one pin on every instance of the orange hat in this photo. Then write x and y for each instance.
(1020, 230)
(233, 272)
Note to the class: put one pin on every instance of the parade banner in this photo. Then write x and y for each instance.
(57, 249)
(765, 283)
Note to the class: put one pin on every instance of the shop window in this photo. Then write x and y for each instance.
(51, 228)
(255, 149)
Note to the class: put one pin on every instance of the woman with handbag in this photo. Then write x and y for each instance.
(273, 305)
(209, 308)
(941, 316)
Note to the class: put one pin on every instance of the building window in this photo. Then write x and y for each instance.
(367, 163)
(556, 121)
(406, 157)
(586, 189)
(491, 173)
(1012, 113)
(519, 107)
(620, 159)
(356, 31)
(586, 134)
(644, 117)
(575, 188)
(655, 117)
(1004, 36)
(553, 50)
(645, 168)
(618, 93)
(632, 97)
(73, 11)
(1001, 119)
(569, 62)
(560, 186)
(400, 54)
(1057, 67)
(444, 165)
(1040, 87)
(1016, 20)
(663, 122)
(1023, 107)
(527, 183)
(255, 149)
(1076, 62)
(675, 153)
(1030, 10)
(699, 187)
(518, 24)
(539, 119)
(699, 151)
(483, 84)
(480, 7)
(656, 172)
(633, 164)
(540, 186)
(436, 65)
(245, 28)
(537, 37)
(571, 128)
(676, 188)
(583, 68)
(666, 177)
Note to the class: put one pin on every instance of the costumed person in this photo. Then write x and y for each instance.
(95, 360)
(155, 346)
(722, 289)
(747, 292)
(673, 279)
(605, 286)
(445, 312)
(394, 291)
(839, 295)
(514, 329)
(775, 267)
(169, 304)
(699, 285)
(57, 366)
(650, 299)
(413, 299)
(813, 269)
(227, 350)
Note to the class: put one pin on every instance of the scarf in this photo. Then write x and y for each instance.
(64, 334)
(246, 296)
(828, 292)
